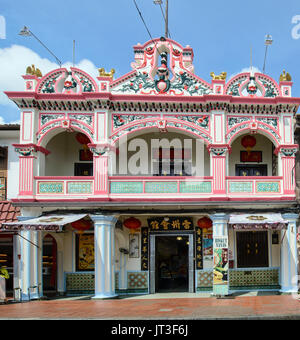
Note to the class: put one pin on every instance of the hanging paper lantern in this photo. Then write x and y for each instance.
(132, 223)
(204, 223)
(84, 140)
(248, 142)
(81, 225)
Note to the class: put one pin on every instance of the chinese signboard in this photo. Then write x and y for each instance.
(144, 249)
(220, 279)
(199, 254)
(170, 224)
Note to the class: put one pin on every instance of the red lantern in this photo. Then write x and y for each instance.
(81, 225)
(132, 223)
(204, 223)
(82, 138)
(248, 142)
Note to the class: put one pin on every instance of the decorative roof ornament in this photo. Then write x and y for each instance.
(221, 76)
(31, 70)
(285, 76)
(110, 74)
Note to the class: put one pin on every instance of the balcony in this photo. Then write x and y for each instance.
(160, 188)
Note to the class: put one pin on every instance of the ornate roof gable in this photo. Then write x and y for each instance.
(162, 66)
(61, 80)
(252, 85)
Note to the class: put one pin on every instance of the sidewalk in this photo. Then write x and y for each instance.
(157, 307)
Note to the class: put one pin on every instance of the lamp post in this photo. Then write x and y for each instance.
(166, 15)
(268, 42)
(25, 32)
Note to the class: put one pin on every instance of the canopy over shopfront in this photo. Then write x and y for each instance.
(47, 223)
(273, 221)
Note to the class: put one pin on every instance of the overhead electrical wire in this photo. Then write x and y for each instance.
(137, 8)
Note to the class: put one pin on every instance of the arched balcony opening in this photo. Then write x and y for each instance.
(253, 167)
(252, 155)
(157, 154)
(69, 155)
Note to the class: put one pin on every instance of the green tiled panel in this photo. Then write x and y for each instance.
(79, 187)
(51, 188)
(126, 187)
(267, 187)
(161, 187)
(195, 187)
(268, 277)
(240, 187)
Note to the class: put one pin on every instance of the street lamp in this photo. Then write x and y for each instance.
(166, 15)
(25, 32)
(268, 42)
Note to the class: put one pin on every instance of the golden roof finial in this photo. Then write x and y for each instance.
(110, 74)
(221, 76)
(31, 70)
(285, 76)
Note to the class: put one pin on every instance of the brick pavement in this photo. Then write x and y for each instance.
(240, 307)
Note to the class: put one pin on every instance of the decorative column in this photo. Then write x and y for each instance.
(287, 167)
(27, 167)
(218, 167)
(288, 255)
(104, 229)
(28, 263)
(220, 250)
(101, 158)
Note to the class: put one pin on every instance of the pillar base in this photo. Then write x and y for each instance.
(104, 296)
(289, 290)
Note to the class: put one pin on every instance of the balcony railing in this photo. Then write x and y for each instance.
(64, 186)
(159, 187)
(253, 186)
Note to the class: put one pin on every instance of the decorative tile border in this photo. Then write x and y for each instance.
(137, 280)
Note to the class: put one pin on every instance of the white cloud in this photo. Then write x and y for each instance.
(13, 63)
(246, 69)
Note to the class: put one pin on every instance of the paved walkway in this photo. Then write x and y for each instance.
(158, 307)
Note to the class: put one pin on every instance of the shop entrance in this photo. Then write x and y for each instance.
(171, 263)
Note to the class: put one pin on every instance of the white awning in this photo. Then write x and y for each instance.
(48, 223)
(257, 221)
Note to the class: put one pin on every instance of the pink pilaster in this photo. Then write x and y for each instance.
(26, 165)
(287, 153)
(101, 175)
(218, 170)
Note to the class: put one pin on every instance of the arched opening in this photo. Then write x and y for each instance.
(69, 155)
(49, 265)
(252, 155)
(157, 153)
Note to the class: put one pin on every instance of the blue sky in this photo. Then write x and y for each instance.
(220, 32)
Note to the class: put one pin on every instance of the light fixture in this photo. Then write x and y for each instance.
(166, 219)
(178, 238)
(25, 32)
(268, 42)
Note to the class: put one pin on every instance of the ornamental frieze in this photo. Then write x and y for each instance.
(122, 120)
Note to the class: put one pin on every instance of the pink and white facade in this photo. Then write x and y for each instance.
(161, 98)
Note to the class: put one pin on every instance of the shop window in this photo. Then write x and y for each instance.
(252, 249)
